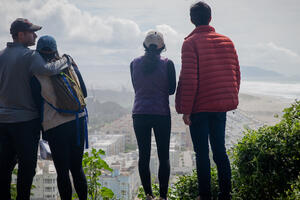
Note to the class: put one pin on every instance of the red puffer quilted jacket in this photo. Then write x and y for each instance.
(209, 80)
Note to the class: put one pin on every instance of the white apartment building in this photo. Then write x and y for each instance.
(174, 156)
(44, 182)
(122, 126)
(124, 181)
(111, 144)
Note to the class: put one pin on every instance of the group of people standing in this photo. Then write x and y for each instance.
(208, 87)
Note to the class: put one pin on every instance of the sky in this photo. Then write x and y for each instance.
(103, 34)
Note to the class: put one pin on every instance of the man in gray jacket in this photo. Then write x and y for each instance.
(19, 117)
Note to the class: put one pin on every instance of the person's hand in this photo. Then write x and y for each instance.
(187, 119)
(69, 58)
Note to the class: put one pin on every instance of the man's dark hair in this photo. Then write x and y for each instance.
(48, 55)
(200, 13)
(14, 36)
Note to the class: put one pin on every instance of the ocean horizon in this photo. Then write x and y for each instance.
(276, 89)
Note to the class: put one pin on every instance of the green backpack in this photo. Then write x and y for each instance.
(69, 96)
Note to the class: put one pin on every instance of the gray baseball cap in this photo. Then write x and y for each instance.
(154, 37)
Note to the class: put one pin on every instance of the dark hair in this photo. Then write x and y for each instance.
(14, 36)
(48, 55)
(200, 13)
(151, 58)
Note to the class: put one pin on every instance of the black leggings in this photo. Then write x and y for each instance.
(67, 156)
(161, 125)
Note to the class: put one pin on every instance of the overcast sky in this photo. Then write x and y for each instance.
(110, 32)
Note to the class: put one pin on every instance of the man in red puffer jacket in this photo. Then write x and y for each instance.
(208, 87)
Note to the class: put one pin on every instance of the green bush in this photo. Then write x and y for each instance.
(93, 165)
(185, 188)
(266, 160)
(293, 193)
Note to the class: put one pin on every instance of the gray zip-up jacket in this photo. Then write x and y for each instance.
(17, 66)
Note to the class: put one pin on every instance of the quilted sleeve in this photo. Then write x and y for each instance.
(188, 79)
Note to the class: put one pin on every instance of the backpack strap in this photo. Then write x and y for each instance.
(86, 138)
(86, 121)
(77, 118)
(42, 110)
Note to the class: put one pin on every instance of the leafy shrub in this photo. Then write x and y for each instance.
(293, 193)
(185, 188)
(155, 190)
(93, 165)
(266, 160)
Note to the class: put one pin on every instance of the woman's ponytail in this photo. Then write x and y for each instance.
(151, 58)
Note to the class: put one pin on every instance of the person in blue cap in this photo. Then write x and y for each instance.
(61, 130)
(19, 123)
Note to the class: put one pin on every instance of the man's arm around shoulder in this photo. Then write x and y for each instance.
(39, 66)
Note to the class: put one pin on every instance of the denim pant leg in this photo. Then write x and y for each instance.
(217, 141)
(199, 133)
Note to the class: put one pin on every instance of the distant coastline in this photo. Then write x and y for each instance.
(275, 89)
(255, 80)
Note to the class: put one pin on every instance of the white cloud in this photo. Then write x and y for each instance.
(173, 41)
(282, 50)
(79, 29)
(64, 19)
(270, 56)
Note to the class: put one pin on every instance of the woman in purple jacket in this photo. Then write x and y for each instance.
(153, 79)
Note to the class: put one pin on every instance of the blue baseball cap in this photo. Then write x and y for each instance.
(46, 42)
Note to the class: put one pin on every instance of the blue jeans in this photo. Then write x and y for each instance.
(212, 125)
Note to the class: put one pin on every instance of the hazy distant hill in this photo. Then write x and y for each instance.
(256, 72)
(124, 97)
(101, 113)
(259, 74)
